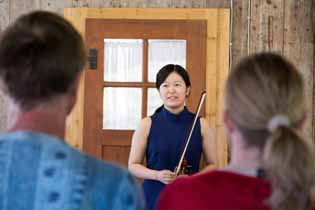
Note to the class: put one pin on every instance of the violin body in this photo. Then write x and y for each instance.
(184, 168)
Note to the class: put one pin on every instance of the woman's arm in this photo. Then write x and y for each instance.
(137, 154)
(208, 144)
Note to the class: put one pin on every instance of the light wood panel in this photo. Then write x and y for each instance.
(222, 69)
(211, 74)
(74, 124)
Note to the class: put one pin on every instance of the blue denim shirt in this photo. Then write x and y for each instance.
(40, 172)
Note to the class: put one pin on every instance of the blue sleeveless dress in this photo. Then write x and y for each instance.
(166, 140)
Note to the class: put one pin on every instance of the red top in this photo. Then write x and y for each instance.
(215, 190)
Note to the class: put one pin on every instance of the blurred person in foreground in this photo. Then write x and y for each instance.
(271, 166)
(41, 60)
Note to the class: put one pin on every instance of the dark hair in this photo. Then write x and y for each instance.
(261, 87)
(41, 54)
(165, 71)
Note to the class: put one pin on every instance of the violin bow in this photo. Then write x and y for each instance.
(202, 99)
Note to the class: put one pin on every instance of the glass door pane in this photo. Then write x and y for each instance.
(121, 108)
(154, 101)
(123, 60)
(165, 51)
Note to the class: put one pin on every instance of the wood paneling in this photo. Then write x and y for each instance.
(74, 124)
(19, 7)
(4, 14)
(116, 154)
(239, 30)
(222, 74)
(217, 45)
(101, 3)
(188, 4)
(4, 21)
(313, 70)
(81, 3)
(299, 47)
(53, 5)
(218, 4)
(159, 3)
(266, 26)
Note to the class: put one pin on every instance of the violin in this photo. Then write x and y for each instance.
(183, 166)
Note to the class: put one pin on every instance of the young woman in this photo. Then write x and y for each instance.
(161, 137)
(271, 166)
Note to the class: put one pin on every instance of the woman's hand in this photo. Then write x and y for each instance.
(165, 176)
(182, 175)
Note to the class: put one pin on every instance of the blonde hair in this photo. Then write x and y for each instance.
(260, 87)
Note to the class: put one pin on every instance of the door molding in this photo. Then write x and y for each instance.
(217, 62)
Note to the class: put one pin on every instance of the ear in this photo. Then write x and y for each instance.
(228, 123)
(187, 91)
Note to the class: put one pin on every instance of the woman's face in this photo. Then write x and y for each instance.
(173, 92)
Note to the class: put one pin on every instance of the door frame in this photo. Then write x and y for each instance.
(217, 62)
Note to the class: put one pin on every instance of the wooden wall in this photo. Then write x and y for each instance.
(284, 26)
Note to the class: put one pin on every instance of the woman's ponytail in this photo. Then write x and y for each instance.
(265, 99)
(289, 166)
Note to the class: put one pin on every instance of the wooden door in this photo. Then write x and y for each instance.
(114, 144)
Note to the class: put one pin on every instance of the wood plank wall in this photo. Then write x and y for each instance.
(284, 26)
(313, 68)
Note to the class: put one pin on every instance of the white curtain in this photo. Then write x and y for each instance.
(154, 100)
(162, 52)
(121, 108)
(122, 63)
(123, 60)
